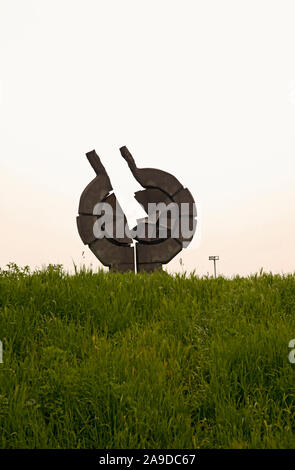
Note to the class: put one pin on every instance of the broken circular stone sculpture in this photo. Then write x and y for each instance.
(157, 242)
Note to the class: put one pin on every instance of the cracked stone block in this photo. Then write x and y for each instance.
(152, 177)
(110, 253)
(85, 224)
(97, 190)
(122, 268)
(158, 253)
(149, 267)
(151, 196)
(184, 196)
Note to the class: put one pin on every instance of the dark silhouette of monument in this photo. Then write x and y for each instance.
(157, 238)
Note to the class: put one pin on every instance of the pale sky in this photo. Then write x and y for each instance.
(202, 89)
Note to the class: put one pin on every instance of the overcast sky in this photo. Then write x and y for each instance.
(202, 89)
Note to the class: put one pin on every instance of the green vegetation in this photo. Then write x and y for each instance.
(104, 360)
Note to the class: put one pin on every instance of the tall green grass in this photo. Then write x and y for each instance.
(109, 360)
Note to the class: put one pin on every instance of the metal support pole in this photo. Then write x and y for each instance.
(214, 259)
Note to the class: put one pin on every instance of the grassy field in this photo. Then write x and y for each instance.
(145, 361)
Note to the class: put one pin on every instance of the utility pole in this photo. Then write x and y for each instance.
(214, 258)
